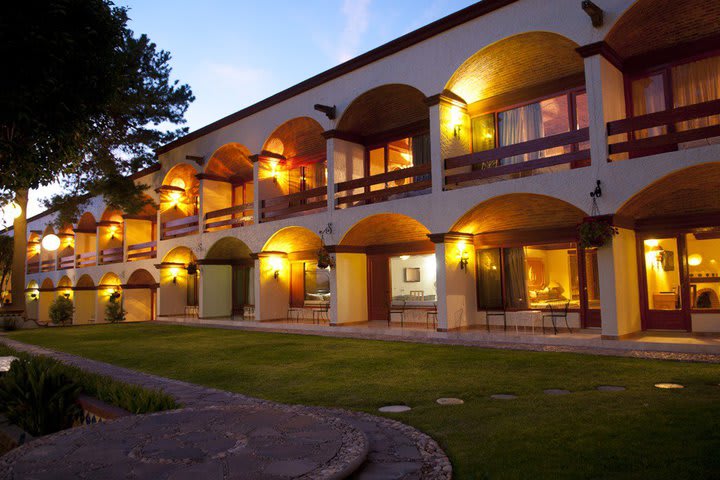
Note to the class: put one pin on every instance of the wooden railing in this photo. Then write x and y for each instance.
(230, 217)
(111, 255)
(33, 266)
(671, 137)
(47, 265)
(487, 164)
(180, 227)
(86, 259)
(142, 251)
(405, 180)
(290, 205)
(66, 262)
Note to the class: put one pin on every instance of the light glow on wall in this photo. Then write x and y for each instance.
(695, 259)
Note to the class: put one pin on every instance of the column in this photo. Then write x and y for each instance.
(330, 154)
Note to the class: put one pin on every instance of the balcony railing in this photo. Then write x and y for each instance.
(179, 228)
(293, 204)
(487, 164)
(230, 217)
(671, 135)
(33, 267)
(86, 259)
(111, 255)
(142, 251)
(406, 180)
(47, 265)
(66, 262)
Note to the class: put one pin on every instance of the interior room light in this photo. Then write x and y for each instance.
(695, 259)
(11, 211)
(652, 243)
(404, 257)
(51, 242)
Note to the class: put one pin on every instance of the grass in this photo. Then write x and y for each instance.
(643, 432)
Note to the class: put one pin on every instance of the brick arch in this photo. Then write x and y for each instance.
(384, 229)
(141, 277)
(228, 248)
(519, 211)
(231, 161)
(656, 24)
(515, 63)
(180, 255)
(298, 137)
(292, 239)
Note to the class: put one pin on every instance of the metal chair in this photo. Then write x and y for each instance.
(431, 313)
(496, 313)
(553, 313)
(321, 310)
(294, 310)
(393, 308)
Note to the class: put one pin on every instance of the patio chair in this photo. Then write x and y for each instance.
(431, 313)
(396, 308)
(297, 311)
(321, 310)
(553, 313)
(496, 313)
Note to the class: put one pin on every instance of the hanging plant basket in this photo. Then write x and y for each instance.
(192, 269)
(595, 233)
(324, 259)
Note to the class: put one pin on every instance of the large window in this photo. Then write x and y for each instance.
(398, 154)
(537, 119)
(413, 278)
(532, 277)
(704, 270)
(317, 283)
(307, 177)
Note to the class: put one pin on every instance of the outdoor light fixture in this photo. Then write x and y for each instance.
(275, 266)
(329, 111)
(594, 12)
(112, 230)
(174, 273)
(463, 256)
(456, 121)
(11, 211)
(66, 295)
(34, 296)
(51, 242)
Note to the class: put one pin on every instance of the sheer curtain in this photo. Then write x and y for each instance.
(520, 125)
(648, 95)
(697, 82)
(515, 285)
(421, 153)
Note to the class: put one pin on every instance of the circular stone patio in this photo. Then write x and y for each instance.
(248, 441)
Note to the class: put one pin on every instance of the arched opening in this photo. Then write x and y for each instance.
(678, 246)
(85, 295)
(46, 295)
(139, 296)
(382, 149)
(109, 287)
(64, 288)
(110, 231)
(33, 252)
(32, 294)
(227, 277)
(519, 106)
(141, 233)
(386, 261)
(86, 241)
(178, 283)
(527, 258)
(179, 196)
(291, 283)
(670, 60)
(47, 257)
(228, 188)
(66, 252)
(293, 170)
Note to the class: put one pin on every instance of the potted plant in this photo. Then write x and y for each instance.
(192, 268)
(61, 311)
(595, 232)
(324, 259)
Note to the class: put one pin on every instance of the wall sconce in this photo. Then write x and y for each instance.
(275, 266)
(174, 199)
(273, 171)
(66, 295)
(34, 296)
(174, 273)
(463, 256)
(456, 121)
(112, 230)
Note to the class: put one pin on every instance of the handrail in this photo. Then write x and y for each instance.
(66, 262)
(180, 227)
(139, 246)
(305, 194)
(111, 255)
(229, 211)
(383, 178)
(282, 207)
(679, 114)
(142, 251)
(86, 259)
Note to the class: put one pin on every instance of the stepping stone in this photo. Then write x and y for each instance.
(394, 409)
(556, 391)
(449, 401)
(668, 385)
(503, 396)
(611, 388)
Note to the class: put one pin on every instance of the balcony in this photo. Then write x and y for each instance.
(486, 165)
(674, 130)
(291, 205)
(231, 217)
(142, 251)
(87, 259)
(66, 262)
(33, 267)
(377, 188)
(179, 228)
(47, 265)
(111, 255)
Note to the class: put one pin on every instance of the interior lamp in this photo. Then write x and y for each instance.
(463, 256)
(695, 259)
(51, 242)
(11, 211)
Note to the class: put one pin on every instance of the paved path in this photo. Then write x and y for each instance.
(394, 450)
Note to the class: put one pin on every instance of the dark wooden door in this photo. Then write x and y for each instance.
(378, 267)
(589, 288)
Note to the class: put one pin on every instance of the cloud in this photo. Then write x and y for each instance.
(357, 18)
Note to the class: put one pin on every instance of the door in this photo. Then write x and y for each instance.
(378, 287)
(240, 281)
(664, 288)
(590, 289)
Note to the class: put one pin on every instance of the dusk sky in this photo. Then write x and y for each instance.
(235, 53)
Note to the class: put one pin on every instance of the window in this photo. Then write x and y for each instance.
(530, 277)
(704, 270)
(398, 154)
(542, 118)
(317, 283)
(307, 177)
(413, 278)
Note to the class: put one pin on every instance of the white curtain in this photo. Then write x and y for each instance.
(520, 125)
(697, 82)
(648, 96)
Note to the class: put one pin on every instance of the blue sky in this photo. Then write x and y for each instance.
(235, 53)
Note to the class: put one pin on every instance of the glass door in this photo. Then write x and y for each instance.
(665, 284)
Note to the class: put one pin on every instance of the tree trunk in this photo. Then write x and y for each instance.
(19, 252)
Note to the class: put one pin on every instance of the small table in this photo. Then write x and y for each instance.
(528, 318)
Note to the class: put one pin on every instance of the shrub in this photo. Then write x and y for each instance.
(61, 311)
(10, 322)
(114, 312)
(38, 397)
(595, 232)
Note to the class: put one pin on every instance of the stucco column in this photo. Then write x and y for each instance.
(257, 297)
(436, 159)
(440, 280)
(201, 205)
(330, 152)
(455, 280)
(333, 313)
(256, 199)
(272, 291)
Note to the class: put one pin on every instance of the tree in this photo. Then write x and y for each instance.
(84, 100)
(6, 259)
(114, 312)
(61, 311)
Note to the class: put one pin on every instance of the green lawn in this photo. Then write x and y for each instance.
(640, 433)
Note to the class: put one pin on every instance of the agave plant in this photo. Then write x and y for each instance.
(37, 397)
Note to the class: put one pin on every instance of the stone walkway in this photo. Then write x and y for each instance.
(392, 450)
